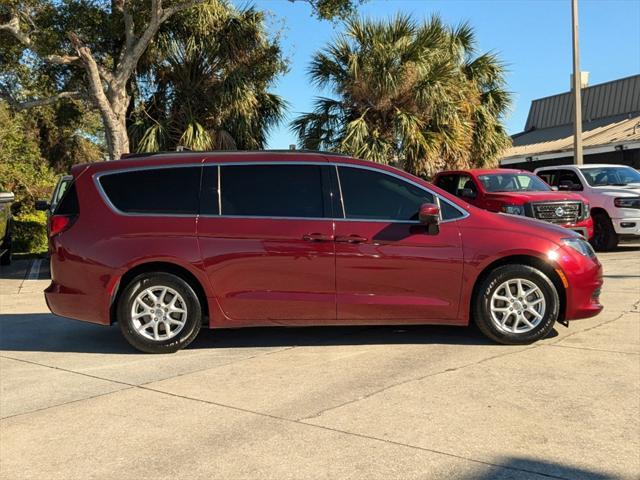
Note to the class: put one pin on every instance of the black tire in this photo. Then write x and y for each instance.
(605, 237)
(160, 280)
(488, 286)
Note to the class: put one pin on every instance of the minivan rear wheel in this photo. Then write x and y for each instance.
(516, 305)
(159, 313)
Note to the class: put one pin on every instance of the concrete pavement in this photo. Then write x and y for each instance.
(77, 402)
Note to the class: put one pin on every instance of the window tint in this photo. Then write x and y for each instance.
(375, 195)
(273, 190)
(448, 211)
(602, 176)
(69, 203)
(550, 177)
(512, 182)
(449, 183)
(154, 191)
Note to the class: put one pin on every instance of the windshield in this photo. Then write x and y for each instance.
(602, 176)
(513, 182)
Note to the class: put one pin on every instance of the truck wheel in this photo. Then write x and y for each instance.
(604, 236)
(516, 305)
(159, 313)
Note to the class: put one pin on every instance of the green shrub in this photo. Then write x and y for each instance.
(30, 233)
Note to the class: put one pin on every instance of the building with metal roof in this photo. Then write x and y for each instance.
(611, 128)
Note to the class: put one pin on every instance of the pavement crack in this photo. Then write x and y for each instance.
(355, 434)
(77, 400)
(416, 379)
(594, 349)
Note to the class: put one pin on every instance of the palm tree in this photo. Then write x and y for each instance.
(407, 94)
(205, 84)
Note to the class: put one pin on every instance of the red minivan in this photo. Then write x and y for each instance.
(165, 243)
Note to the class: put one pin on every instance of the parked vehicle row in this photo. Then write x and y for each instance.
(164, 244)
(519, 192)
(613, 191)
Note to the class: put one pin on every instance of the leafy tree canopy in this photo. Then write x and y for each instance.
(204, 84)
(409, 94)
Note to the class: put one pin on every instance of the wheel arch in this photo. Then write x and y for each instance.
(599, 211)
(530, 260)
(159, 266)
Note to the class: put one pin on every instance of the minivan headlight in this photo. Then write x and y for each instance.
(513, 209)
(581, 246)
(627, 202)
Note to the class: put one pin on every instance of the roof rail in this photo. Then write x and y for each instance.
(127, 156)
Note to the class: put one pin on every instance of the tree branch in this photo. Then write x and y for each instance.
(38, 102)
(129, 59)
(129, 25)
(167, 12)
(61, 59)
(13, 27)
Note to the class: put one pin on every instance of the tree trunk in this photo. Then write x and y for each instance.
(115, 121)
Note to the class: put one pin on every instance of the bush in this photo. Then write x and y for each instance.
(30, 233)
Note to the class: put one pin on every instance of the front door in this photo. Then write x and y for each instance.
(388, 267)
(266, 239)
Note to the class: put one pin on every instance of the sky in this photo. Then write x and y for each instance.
(533, 37)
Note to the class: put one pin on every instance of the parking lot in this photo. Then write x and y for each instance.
(364, 402)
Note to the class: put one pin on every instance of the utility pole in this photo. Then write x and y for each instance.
(577, 86)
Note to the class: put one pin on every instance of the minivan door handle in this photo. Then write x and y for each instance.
(317, 237)
(351, 239)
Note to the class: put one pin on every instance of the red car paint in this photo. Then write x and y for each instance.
(265, 271)
(495, 201)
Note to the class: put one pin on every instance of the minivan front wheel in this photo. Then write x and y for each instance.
(516, 305)
(159, 313)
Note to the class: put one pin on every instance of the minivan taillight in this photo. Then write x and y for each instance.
(59, 223)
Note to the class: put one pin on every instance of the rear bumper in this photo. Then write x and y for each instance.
(74, 304)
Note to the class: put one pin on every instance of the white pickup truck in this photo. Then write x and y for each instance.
(613, 191)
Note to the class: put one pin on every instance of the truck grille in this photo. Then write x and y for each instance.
(558, 212)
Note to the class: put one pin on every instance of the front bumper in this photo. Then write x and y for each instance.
(627, 226)
(584, 278)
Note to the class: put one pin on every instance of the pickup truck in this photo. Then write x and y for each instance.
(518, 192)
(613, 191)
(6, 227)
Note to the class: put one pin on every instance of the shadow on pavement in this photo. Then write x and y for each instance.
(49, 333)
(530, 468)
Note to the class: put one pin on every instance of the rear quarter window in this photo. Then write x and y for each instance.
(69, 202)
(159, 191)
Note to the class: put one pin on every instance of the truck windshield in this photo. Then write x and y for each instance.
(513, 182)
(602, 176)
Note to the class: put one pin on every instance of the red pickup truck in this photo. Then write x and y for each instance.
(518, 192)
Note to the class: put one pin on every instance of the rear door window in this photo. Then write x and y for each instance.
(281, 190)
(368, 194)
(449, 183)
(156, 191)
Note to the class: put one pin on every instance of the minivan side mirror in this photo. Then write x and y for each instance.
(429, 215)
(42, 205)
(468, 193)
